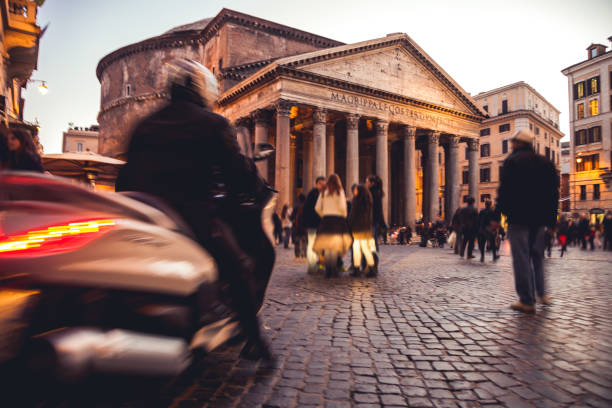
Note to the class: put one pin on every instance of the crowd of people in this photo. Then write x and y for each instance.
(324, 226)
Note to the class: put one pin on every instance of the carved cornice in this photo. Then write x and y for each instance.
(177, 40)
(352, 121)
(403, 40)
(473, 144)
(245, 20)
(282, 71)
(382, 126)
(319, 115)
(283, 108)
(133, 99)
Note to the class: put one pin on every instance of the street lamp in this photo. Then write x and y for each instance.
(42, 88)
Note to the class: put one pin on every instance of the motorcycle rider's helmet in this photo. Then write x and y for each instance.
(190, 77)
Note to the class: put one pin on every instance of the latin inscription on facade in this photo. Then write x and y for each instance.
(397, 111)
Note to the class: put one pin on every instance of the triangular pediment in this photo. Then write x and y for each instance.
(390, 66)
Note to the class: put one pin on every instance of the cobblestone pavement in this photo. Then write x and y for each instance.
(431, 330)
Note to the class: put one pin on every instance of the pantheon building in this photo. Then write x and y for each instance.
(381, 107)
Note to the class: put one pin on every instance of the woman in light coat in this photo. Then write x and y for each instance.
(333, 236)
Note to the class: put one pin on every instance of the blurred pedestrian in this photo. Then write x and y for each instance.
(607, 232)
(374, 184)
(548, 240)
(298, 230)
(468, 221)
(583, 230)
(590, 237)
(278, 228)
(23, 154)
(333, 236)
(456, 227)
(562, 234)
(440, 232)
(487, 231)
(285, 218)
(311, 222)
(360, 224)
(529, 196)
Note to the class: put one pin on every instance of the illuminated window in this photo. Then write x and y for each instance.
(587, 163)
(579, 90)
(593, 107)
(592, 86)
(580, 110)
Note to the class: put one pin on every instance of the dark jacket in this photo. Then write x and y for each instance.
(529, 189)
(190, 157)
(25, 161)
(360, 219)
(378, 217)
(310, 217)
(485, 218)
(468, 219)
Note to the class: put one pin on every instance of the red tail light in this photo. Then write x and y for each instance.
(55, 238)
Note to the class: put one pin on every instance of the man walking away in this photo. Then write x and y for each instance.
(468, 221)
(311, 222)
(529, 196)
(487, 231)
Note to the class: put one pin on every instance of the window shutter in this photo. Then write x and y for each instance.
(588, 87)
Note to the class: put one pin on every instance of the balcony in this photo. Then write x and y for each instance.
(21, 35)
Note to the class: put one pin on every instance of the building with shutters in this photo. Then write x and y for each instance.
(590, 116)
(510, 108)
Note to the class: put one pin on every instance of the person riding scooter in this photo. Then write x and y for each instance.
(189, 156)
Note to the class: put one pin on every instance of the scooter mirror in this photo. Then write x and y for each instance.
(263, 151)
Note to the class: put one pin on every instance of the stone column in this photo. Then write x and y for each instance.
(243, 136)
(283, 159)
(307, 162)
(330, 149)
(409, 133)
(352, 152)
(262, 122)
(473, 172)
(453, 188)
(292, 166)
(318, 144)
(382, 162)
(433, 168)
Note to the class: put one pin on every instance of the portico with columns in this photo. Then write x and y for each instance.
(379, 107)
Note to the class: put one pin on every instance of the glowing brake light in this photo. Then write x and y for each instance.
(56, 238)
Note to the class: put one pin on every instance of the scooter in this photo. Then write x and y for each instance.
(111, 283)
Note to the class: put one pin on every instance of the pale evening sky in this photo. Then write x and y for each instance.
(482, 44)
